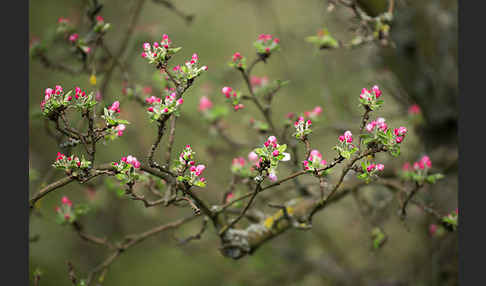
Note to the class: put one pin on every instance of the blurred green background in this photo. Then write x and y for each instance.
(337, 251)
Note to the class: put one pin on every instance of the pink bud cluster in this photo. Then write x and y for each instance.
(119, 129)
(66, 162)
(238, 162)
(302, 127)
(233, 97)
(314, 161)
(63, 20)
(186, 156)
(152, 51)
(378, 124)
(268, 42)
(400, 133)
(115, 107)
(375, 167)
(77, 93)
(205, 104)
(423, 163)
(370, 95)
(192, 68)
(169, 105)
(65, 211)
(346, 137)
(238, 61)
(414, 109)
(73, 38)
(259, 81)
(131, 160)
(313, 113)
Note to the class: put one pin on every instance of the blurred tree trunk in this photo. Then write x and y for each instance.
(425, 63)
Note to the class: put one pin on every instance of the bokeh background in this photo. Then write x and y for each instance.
(421, 68)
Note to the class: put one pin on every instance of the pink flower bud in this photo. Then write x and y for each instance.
(204, 68)
(180, 101)
(150, 109)
(156, 45)
(432, 229)
(65, 201)
(226, 90)
(399, 139)
(205, 104)
(252, 156)
(73, 37)
(376, 90)
(144, 54)
(275, 153)
(99, 18)
(414, 109)
(380, 167)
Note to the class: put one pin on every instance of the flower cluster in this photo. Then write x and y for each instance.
(126, 169)
(205, 104)
(70, 163)
(370, 98)
(419, 171)
(101, 26)
(379, 133)
(65, 213)
(302, 128)
(314, 162)
(159, 53)
(243, 168)
(258, 82)
(55, 100)
(233, 97)
(270, 155)
(414, 109)
(266, 44)
(238, 61)
(314, 113)
(115, 125)
(369, 170)
(158, 107)
(346, 147)
(452, 219)
(185, 161)
(190, 70)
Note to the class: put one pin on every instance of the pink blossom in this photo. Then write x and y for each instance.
(99, 18)
(341, 138)
(204, 68)
(150, 109)
(426, 160)
(237, 56)
(144, 54)
(406, 166)
(65, 201)
(348, 136)
(205, 103)
(239, 106)
(226, 91)
(132, 161)
(180, 101)
(399, 139)
(376, 90)
(414, 109)
(120, 128)
(371, 167)
(432, 229)
(380, 167)
(275, 153)
(252, 156)
(317, 110)
(401, 131)
(73, 37)
(115, 106)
